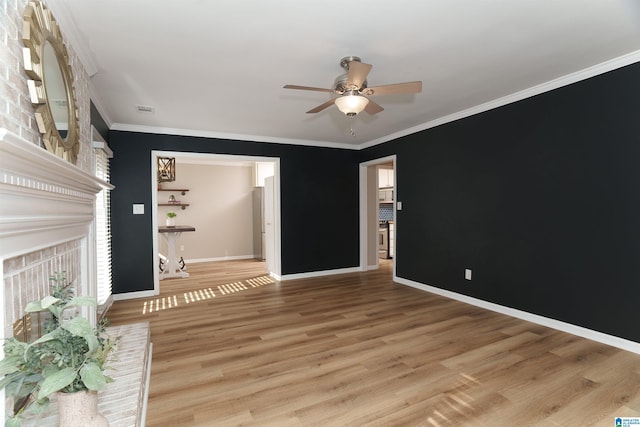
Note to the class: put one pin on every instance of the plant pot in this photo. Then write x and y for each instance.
(171, 222)
(80, 409)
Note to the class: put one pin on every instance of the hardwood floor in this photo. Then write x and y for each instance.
(232, 347)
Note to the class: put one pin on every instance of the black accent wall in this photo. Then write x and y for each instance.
(539, 198)
(313, 181)
(98, 122)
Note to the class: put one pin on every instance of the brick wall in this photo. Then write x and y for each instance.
(16, 111)
(17, 116)
(26, 277)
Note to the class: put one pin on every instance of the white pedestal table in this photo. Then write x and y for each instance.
(172, 234)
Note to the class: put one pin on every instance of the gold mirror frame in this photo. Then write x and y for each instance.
(39, 29)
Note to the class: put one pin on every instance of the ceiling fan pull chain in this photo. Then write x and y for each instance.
(351, 131)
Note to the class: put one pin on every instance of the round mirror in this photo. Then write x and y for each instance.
(46, 62)
(56, 90)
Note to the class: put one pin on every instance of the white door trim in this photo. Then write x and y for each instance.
(364, 223)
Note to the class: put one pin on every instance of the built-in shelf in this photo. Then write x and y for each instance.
(182, 191)
(182, 205)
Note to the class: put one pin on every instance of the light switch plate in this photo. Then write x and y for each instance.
(467, 274)
(398, 206)
(138, 209)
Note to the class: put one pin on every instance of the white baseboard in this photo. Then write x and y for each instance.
(133, 295)
(225, 258)
(600, 337)
(320, 273)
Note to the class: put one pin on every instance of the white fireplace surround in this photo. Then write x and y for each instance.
(45, 202)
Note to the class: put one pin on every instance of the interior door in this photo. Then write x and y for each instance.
(269, 227)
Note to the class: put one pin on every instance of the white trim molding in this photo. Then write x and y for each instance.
(319, 273)
(566, 80)
(40, 192)
(590, 334)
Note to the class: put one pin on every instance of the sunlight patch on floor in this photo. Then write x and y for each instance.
(198, 295)
(231, 287)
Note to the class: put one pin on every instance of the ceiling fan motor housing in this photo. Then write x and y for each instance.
(340, 86)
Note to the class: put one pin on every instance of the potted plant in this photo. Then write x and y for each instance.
(171, 219)
(69, 358)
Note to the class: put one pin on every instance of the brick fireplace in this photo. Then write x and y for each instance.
(46, 227)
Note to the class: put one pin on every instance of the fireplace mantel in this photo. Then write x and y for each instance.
(45, 202)
(40, 192)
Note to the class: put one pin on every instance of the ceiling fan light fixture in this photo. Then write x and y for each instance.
(351, 104)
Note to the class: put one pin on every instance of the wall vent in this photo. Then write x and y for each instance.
(145, 109)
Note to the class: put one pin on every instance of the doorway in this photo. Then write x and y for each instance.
(370, 211)
(203, 161)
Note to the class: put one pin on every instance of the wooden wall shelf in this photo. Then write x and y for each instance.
(182, 205)
(182, 191)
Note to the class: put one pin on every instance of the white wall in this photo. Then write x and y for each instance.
(221, 210)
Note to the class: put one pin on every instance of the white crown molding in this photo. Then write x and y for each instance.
(72, 36)
(233, 136)
(97, 102)
(566, 80)
(73, 39)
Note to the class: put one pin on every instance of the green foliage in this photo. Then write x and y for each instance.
(171, 214)
(69, 357)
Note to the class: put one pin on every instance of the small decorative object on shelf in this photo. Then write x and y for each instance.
(171, 219)
(172, 201)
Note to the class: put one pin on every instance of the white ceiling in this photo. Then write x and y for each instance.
(216, 68)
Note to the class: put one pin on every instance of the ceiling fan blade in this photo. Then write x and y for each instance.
(322, 107)
(357, 74)
(373, 108)
(318, 89)
(408, 87)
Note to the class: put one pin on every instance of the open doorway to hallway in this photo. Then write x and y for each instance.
(378, 223)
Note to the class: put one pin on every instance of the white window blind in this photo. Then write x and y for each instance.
(103, 226)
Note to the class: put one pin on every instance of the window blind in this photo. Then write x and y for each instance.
(103, 228)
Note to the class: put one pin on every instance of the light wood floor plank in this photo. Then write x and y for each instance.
(233, 347)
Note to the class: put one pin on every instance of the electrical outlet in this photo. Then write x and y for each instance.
(467, 273)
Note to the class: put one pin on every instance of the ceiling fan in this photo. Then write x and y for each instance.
(353, 90)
